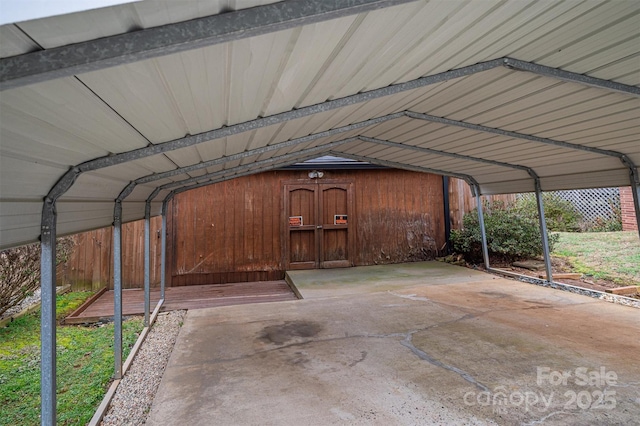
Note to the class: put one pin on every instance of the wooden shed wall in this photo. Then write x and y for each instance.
(232, 231)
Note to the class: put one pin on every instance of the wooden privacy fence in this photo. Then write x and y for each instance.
(90, 267)
(461, 201)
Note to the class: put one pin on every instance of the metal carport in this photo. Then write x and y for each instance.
(106, 114)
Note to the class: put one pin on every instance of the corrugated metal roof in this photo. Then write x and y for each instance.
(270, 92)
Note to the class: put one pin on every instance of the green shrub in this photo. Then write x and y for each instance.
(510, 235)
(561, 215)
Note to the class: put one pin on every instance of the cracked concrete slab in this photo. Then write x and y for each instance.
(425, 343)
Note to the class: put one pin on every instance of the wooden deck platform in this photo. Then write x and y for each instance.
(186, 297)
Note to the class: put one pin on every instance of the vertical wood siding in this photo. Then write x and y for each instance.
(233, 231)
(228, 231)
(235, 228)
(90, 266)
(400, 216)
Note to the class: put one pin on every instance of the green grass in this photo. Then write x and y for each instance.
(84, 366)
(608, 255)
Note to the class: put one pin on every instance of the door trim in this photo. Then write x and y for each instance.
(287, 188)
(350, 227)
(319, 263)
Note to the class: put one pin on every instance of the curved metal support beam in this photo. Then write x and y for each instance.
(246, 169)
(168, 39)
(191, 140)
(153, 195)
(529, 170)
(467, 178)
(223, 177)
(304, 153)
(558, 74)
(254, 152)
(268, 148)
(514, 135)
(126, 191)
(477, 127)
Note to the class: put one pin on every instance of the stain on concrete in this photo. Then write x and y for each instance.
(280, 334)
(363, 356)
(496, 294)
(299, 359)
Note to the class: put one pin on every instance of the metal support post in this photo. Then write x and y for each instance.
(483, 232)
(543, 231)
(117, 289)
(635, 191)
(447, 214)
(147, 262)
(48, 314)
(163, 261)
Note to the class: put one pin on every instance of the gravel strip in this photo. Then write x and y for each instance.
(26, 303)
(133, 398)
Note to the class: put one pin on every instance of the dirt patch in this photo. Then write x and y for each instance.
(558, 265)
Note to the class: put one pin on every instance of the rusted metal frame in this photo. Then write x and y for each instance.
(106, 52)
(559, 74)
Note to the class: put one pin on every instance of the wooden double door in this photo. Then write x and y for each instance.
(319, 224)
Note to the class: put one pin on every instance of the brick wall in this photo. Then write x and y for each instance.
(629, 222)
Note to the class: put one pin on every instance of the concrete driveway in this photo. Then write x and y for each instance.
(424, 343)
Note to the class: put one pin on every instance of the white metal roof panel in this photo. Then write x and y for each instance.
(47, 127)
(14, 42)
(88, 25)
